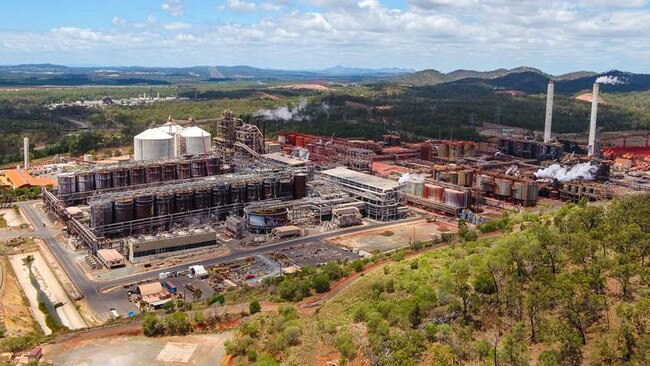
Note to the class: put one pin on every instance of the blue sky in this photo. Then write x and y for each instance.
(554, 35)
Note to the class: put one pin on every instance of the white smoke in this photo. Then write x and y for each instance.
(284, 113)
(611, 80)
(585, 171)
(411, 177)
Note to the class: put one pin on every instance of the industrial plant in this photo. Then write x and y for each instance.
(186, 190)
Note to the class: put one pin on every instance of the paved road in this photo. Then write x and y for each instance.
(102, 301)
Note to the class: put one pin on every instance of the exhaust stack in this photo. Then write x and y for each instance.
(25, 153)
(549, 112)
(591, 148)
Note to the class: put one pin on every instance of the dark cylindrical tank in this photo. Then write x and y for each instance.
(199, 168)
(299, 186)
(120, 178)
(214, 165)
(202, 198)
(270, 188)
(253, 190)
(103, 179)
(164, 204)
(123, 210)
(183, 170)
(144, 206)
(153, 173)
(286, 188)
(168, 172)
(238, 193)
(220, 195)
(85, 182)
(183, 201)
(137, 175)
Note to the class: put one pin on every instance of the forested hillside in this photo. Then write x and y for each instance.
(569, 288)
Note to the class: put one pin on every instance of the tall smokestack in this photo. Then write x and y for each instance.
(549, 111)
(592, 124)
(26, 153)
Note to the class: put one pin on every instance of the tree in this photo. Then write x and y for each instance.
(537, 299)
(152, 326)
(441, 355)
(415, 315)
(321, 282)
(254, 307)
(515, 348)
(484, 283)
(345, 345)
(292, 335)
(177, 323)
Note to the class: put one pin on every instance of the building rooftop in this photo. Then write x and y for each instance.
(110, 255)
(153, 134)
(20, 178)
(361, 178)
(284, 159)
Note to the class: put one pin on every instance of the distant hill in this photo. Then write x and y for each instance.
(530, 80)
(48, 74)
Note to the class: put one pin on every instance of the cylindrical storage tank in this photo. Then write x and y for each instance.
(168, 172)
(519, 191)
(503, 187)
(183, 201)
(454, 151)
(270, 188)
(238, 193)
(85, 182)
(264, 220)
(443, 150)
(199, 168)
(137, 175)
(253, 191)
(120, 178)
(197, 140)
(485, 183)
(164, 204)
(183, 170)
(123, 210)
(144, 206)
(470, 150)
(292, 139)
(286, 188)
(153, 173)
(299, 185)
(455, 198)
(153, 144)
(465, 178)
(103, 179)
(533, 192)
(67, 183)
(300, 141)
(436, 193)
(219, 195)
(201, 198)
(214, 165)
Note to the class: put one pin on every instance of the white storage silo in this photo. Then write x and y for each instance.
(171, 128)
(197, 140)
(153, 144)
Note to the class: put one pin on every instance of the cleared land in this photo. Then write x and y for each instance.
(195, 350)
(50, 287)
(390, 238)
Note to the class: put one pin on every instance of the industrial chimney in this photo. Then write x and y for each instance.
(549, 112)
(26, 153)
(591, 148)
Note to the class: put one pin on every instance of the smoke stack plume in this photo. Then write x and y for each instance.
(594, 117)
(549, 112)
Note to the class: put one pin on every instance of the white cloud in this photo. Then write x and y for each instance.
(555, 35)
(177, 26)
(173, 7)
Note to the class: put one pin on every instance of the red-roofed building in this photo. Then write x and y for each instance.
(22, 179)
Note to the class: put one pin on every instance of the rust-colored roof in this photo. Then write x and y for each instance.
(20, 178)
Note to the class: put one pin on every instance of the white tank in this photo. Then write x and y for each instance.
(171, 128)
(197, 140)
(153, 144)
